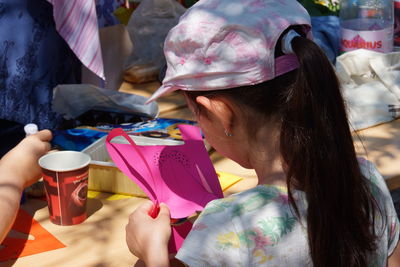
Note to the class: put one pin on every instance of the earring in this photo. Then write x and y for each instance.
(228, 133)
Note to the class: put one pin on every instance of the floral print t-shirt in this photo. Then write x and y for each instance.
(258, 227)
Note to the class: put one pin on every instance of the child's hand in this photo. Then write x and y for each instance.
(22, 160)
(147, 238)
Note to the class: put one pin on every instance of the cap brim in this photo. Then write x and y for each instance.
(163, 90)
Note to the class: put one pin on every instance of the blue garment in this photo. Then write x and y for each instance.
(326, 33)
(11, 133)
(33, 60)
(105, 12)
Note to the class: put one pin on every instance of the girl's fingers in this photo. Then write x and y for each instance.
(45, 135)
(145, 207)
(164, 211)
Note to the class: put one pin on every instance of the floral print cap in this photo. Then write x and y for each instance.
(221, 44)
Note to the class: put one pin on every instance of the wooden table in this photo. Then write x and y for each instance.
(381, 145)
(100, 240)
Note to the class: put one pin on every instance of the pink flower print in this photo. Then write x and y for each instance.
(209, 59)
(260, 241)
(283, 198)
(182, 61)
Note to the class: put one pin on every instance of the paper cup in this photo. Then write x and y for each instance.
(65, 176)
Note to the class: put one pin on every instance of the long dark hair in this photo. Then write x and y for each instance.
(317, 146)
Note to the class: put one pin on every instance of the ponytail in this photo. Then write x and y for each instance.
(317, 146)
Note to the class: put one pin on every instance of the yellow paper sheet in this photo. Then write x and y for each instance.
(227, 179)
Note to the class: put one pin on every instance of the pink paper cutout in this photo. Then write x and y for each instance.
(183, 176)
(203, 180)
(170, 174)
(179, 233)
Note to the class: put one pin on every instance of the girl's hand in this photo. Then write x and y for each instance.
(22, 160)
(147, 238)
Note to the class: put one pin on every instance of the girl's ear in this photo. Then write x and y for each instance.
(220, 110)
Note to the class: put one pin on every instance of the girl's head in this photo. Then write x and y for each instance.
(236, 53)
(221, 44)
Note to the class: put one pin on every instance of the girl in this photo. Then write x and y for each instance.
(266, 96)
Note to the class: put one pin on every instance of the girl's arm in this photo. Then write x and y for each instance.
(147, 238)
(19, 168)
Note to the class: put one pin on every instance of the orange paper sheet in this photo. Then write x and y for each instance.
(13, 247)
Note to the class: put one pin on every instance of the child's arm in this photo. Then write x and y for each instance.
(147, 238)
(19, 168)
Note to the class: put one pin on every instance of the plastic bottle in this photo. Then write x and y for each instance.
(30, 128)
(366, 24)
